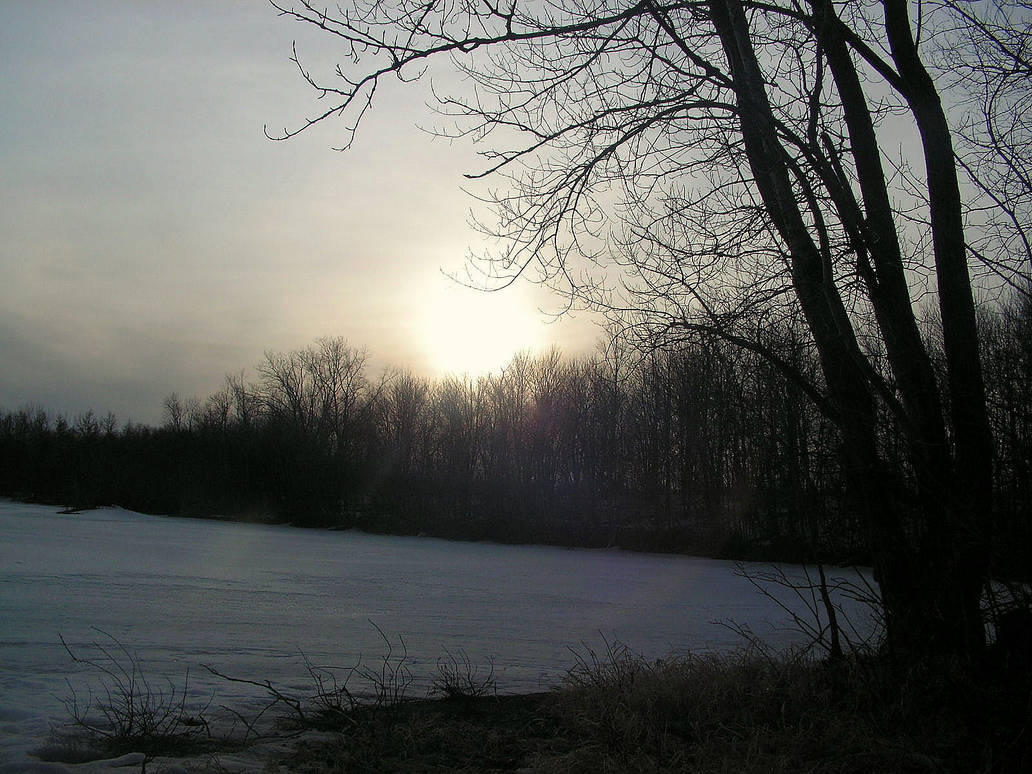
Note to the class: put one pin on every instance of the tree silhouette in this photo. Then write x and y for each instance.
(717, 169)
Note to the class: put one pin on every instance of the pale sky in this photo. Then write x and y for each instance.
(152, 239)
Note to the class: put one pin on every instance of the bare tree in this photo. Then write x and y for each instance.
(174, 412)
(721, 167)
(985, 58)
(404, 420)
(246, 400)
(316, 390)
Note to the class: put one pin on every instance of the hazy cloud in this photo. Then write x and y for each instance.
(153, 239)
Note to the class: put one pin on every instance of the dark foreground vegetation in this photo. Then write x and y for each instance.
(741, 714)
(752, 712)
(701, 447)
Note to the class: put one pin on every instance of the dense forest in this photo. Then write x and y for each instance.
(699, 447)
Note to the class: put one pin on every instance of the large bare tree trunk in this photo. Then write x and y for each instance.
(960, 543)
(931, 567)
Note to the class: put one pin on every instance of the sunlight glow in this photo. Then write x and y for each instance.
(465, 331)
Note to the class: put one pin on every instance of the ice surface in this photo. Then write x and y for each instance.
(250, 599)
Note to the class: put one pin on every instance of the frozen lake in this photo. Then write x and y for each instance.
(250, 599)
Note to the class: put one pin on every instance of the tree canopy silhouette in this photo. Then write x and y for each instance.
(721, 168)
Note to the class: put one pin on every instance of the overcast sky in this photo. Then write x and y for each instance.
(152, 239)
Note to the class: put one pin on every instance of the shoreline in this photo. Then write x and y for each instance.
(750, 552)
(745, 713)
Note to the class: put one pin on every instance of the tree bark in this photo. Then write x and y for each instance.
(960, 542)
(930, 571)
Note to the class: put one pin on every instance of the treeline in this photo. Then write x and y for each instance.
(699, 446)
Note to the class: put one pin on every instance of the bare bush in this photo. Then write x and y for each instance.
(458, 677)
(392, 679)
(828, 628)
(124, 710)
(333, 704)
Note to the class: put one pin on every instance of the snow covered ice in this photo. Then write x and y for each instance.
(254, 601)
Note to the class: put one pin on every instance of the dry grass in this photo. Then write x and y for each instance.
(754, 712)
(749, 714)
(714, 714)
(488, 734)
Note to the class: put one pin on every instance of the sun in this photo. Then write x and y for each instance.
(466, 331)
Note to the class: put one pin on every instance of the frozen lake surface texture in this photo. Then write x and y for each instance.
(251, 599)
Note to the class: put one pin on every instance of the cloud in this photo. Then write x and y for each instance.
(154, 239)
